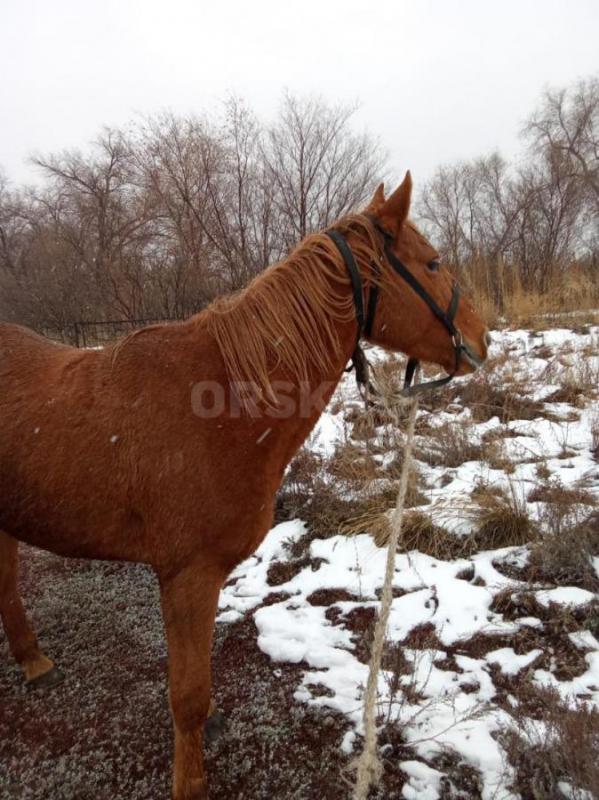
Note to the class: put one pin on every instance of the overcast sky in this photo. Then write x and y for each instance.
(437, 80)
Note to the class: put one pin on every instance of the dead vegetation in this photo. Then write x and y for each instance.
(450, 445)
(555, 754)
(503, 521)
(595, 435)
(564, 556)
(486, 397)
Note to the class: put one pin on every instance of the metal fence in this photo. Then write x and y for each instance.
(97, 333)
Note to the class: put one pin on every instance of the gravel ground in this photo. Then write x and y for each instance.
(106, 731)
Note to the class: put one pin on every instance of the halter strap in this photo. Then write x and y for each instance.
(355, 277)
(359, 361)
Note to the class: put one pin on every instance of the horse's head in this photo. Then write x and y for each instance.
(420, 310)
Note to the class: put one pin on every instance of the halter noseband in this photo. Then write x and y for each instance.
(365, 322)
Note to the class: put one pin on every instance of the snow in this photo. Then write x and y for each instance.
(250, 586)
(424, 783)
(294, 631)
(509, 662)
(566, 596)
(585, 685)
(448, 705)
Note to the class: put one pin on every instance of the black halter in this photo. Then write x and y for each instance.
(365, 322)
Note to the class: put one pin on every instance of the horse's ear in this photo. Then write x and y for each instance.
(378, 199)
(396, 208)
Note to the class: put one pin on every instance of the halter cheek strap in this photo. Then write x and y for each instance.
(359, 360)
(355, 277)
(365, 323)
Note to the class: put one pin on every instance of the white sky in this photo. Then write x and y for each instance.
(437, 79)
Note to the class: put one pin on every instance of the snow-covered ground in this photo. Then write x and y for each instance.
(447, 696)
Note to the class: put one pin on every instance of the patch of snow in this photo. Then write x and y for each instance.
(424, 782)
(509, 662)
(565, 595)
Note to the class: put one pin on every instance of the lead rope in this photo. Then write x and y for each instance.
(369, 767)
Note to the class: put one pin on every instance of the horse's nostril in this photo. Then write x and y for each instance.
(488, 339)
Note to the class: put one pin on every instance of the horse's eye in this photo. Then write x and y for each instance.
(434, 264)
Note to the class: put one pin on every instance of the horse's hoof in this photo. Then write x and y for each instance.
(214, 727)
(48, 680)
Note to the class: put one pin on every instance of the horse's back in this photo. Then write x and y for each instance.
(21, 349)
(58, 461)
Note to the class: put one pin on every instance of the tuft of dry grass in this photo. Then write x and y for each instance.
(345, 493)
(578, 380)
(564, 556)
(564, 508)
(504, 525)
(306, 493)
(502, 519)
(418, 532)
(353, 465)
(486, 397)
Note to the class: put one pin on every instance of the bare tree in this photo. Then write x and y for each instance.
(319, 167)
(566, 128)
(101, 218)
(176, 159)
(157, 221)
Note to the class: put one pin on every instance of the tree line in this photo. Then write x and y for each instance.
(160, 217)
(531, 221)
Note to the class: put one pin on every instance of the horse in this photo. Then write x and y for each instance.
(168, 446)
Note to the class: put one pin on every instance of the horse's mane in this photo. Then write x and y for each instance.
(287, 317)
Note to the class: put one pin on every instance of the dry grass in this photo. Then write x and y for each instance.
(450, 445)
(353, 465)
(306, 493)
(595, 435)
(486, 397)
(495, 453)
(345, 493)
(578, 378)
(418, 532)
(574, 291)
(564, 509)
(503, 521)
(563, 748)
(563, 557)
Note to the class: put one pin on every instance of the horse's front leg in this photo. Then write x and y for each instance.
(189, 601)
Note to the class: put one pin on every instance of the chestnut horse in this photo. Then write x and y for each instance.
(154, 450)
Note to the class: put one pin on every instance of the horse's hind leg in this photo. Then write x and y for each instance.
(38, 669)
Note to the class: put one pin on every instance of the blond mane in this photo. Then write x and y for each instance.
(287, 318)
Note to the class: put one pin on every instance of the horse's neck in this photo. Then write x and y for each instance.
(311, 396)
(346, 333)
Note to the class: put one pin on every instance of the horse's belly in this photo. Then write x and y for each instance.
(105, 534)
